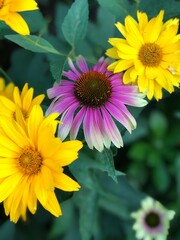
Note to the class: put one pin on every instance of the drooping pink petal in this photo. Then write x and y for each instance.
(96, 129)
(66, 119)
(111, 129)
(77, 123)
(87, 128)
(119, 116)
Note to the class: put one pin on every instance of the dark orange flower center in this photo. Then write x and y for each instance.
(30, 161)
(1, 3)
(93, 89)
(152, 219)
(150, 55)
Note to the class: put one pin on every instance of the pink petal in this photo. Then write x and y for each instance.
(82, 64)
(111, 129)
(77, 123)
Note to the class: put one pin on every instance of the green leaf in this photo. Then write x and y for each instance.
(106, 157)
(97, 32)
(60, 13)
(119, 8)
(81, 168)
(62, 224)
(86, 200)
(113, 204)
(153, 7)
(75, 23)
(34, 20)
(33, 43)
(7, 231)
(35, 71)
(57, 66)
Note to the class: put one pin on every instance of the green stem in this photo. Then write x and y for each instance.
(7, 77)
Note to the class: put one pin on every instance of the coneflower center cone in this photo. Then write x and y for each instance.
(93, 89)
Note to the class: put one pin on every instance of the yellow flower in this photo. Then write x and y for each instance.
(23, 101)
(31, 164)
(6, 90)
(9, 14)
(149, 54)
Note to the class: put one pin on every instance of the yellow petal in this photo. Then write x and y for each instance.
(17, 23)
(143, 20)
(132, 28)
(8, 104)
(155, 24)
(151, 89)
(8, 185)
(164, 79)
(166, 36)
(24, 90)
(6, 142)
(73, 145)
(16, 208)
(8, 166)
(157, 91)
(123, 65)
(112, 66)
(132, 41)
(38, 100)
(14, 132)
(121, 28)
(2, 84)
(29, 196)
(34, 120)
(65, 183)
(129, 76)
(65, 157)
(112, 52)
(21, 5)
(40, 190)
(52, 205)
(27, 99)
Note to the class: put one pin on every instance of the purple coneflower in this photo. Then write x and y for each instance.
(94, 98)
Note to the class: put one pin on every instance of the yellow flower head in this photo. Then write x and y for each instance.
(9, 14)
(31, 164)
(23, 101)
(6, 90)
(149, 53)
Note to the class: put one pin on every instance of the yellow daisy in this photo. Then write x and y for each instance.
(6, 90)
(9, 14)
(31, 164)
(23, 100)
(149, 53)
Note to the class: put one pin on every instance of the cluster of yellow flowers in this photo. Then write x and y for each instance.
(31, 157)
